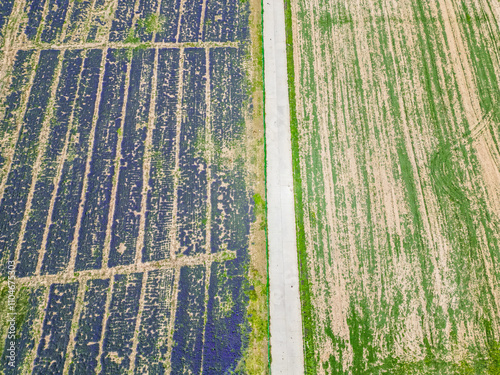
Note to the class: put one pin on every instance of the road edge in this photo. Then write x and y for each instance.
(305, 298)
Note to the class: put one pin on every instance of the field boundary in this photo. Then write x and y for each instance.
(257, 356)
(304, 291)
(269, 357)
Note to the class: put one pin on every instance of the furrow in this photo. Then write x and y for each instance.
(85, 275)
(132, 44)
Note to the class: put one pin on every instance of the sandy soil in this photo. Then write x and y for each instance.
(399, 183)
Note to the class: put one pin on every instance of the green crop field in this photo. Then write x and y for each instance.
(396, 136)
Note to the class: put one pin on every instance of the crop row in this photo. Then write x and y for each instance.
(102, 170)
(65, 96)
(24, 335)
(161, 182)
(19, 179)
(226, 21)
(134, 20)
(5, 10)
(189, 319)
(192, 190)
(190, 21)
(147, 21)
(169, 14)
(155, 321)
(125, 230)
(65, 211)
(21, 73)
(51, 352)
(216, 343)
(33, 10)
(97, 26)
(225, 328)
(230, 218)
(120, 328)
(54, 20)
(77, 20)
(124, 16)
(231, 215)
(229, 198)
(89, 331)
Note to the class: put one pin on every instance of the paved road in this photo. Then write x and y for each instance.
(286, 321)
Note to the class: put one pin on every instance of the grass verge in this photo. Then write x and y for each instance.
(257, 358)
(305, 296)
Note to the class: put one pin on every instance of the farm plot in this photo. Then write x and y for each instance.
(397, 166)
(131, 176)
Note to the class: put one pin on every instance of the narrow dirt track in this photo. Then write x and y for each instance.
(286, 320)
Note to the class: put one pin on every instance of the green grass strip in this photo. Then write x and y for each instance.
(305, 296)
(265, 185)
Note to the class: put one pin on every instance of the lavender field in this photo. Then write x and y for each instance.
(131, 177)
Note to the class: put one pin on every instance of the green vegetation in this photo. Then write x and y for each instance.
(151, 24)
(257, 359)
(132, 38)
(306, 305)
(390, 121)
(21, 309)
(260, 210)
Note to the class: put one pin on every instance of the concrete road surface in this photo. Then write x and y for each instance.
(286, 320)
